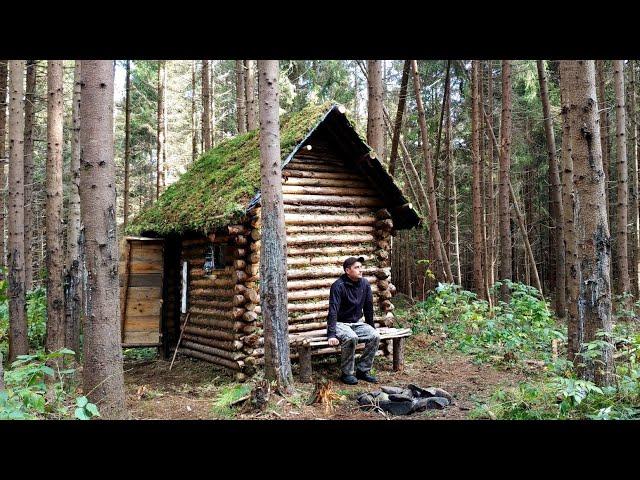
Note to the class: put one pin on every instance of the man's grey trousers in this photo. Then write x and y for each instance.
(349, 334)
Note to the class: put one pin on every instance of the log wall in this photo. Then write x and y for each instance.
(330, 213)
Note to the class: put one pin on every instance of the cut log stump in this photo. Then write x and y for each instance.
(398, 354)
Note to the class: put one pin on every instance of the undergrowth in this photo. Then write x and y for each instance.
(524, 329)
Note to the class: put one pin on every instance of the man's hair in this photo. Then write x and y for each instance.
(350, 261)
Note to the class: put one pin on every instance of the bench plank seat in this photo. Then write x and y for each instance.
(305, 342)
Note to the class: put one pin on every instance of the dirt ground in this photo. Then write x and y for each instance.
(190, 389)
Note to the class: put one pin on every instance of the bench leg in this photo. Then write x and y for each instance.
(398, 354)
(304, 357)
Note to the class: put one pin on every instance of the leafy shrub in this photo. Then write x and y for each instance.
(29, 395)
(524, 326)
(36, 317)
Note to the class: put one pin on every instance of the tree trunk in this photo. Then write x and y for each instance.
(3, 153)
(624, 284)
(127, 129)
(556, 194)
(160, 137)
(592, 228)
(402, 101)
(55, 291)
(102, 370)
(478, 247)
(635, 206)
(273, 250)
(604, 124)
(505, 166)
(212, 103)
(18, 340)
(250, 88)
(206, 104)
(74, 262)
(447, 168)
(194, 129)
(572, 267)
(29, 117)
(241, 102)
(375, 116)
(433, 211)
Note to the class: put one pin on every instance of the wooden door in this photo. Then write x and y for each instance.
(141, 285)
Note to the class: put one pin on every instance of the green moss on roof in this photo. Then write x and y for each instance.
(218, 186)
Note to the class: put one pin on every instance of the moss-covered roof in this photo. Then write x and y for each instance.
(217, 187)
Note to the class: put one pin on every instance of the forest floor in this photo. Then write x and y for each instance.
(192, 389)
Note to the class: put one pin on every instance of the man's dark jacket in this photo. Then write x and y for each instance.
(347, 300)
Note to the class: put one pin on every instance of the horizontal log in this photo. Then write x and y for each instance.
(254, 257)
(239, 264)
(327, 190)
(249, 316)
(197, 302)
(241, 276)
(214, 282)
(252, 269)
(249, 328)
(201, 289)
(328, 219)
(327, 209)
(230, 313)
(211, 333)
(293, 229)
(195, 345)
(230, 346)
(239, 300)
(324, 272)
(234, 365)
(237, 229)
(251, 340)
(203, 321)
(317, 167)
(255, 234)
(239, 252)
(383, 284)
(219, 237)
(342, 250)
(289, 171)
(305, 307)
(251, 295)
(240, 240)
(322, 182)
(318, 283)
(317, 293)
(255, 246)
(331, 239)
(250, 307)
(331, 200)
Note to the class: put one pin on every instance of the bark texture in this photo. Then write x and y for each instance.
(478, 224)
(18, 341)
(505, 167)
(3, 153)
(250, 95)
(556, 210)
(432, 207)
(102, 372)
(592, 228)
(55, 254)
(206, 106)
(621, 250)
(273, 250)
(127, 131)
(402, 101)
(73, 283)
(241, 101)
(29, 117)
(375, 116)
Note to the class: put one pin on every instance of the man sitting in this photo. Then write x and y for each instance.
(350, 295)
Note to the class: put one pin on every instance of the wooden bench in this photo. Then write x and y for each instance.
(316, 341)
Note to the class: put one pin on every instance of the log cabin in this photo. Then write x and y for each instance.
(194, 254)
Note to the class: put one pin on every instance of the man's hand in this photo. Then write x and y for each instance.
(333, 341)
